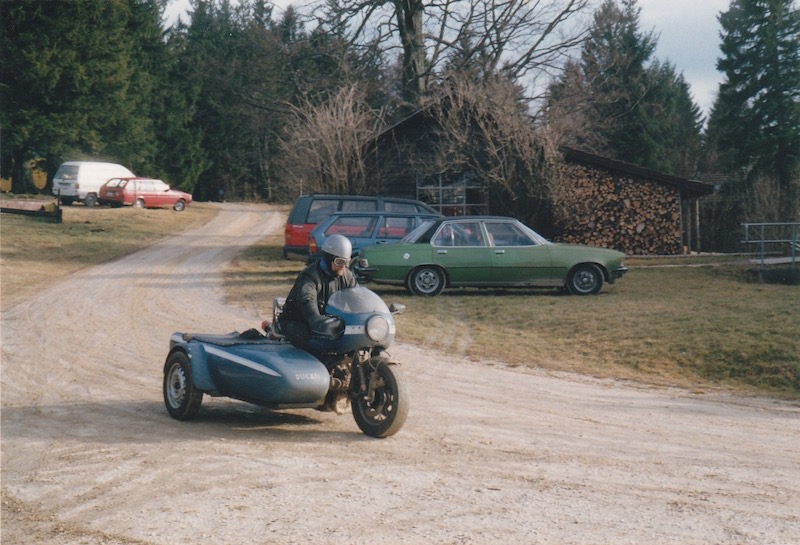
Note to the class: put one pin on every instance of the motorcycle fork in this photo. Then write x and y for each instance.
(366, 387)
(360, 360)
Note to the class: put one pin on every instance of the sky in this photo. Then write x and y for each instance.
(688, 37)
(687, 33)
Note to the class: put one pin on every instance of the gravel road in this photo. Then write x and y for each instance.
(489, 454)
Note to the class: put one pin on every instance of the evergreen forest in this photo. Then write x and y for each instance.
(258, 103)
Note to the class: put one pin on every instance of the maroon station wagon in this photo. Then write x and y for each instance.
(142, 193)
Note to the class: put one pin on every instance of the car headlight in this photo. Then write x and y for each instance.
(377, 328)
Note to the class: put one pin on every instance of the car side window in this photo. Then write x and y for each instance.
(321, 209)
(396, 228)
(352, 227)
(359, 206)
(445, 236)
(453, 234)
(472, 235)
(67, 172)
(507, 234)
(404, 207)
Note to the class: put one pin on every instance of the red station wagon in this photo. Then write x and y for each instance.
(142, 193)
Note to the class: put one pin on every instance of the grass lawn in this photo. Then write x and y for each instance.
(699, 327)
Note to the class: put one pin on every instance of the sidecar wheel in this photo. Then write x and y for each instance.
(180, 396)
(385, 413)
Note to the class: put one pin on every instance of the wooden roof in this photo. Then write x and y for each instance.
(691, 186)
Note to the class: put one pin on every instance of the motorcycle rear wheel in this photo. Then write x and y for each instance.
(180, 395)
(385, 412)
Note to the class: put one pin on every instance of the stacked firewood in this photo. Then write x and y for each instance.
(633, 215)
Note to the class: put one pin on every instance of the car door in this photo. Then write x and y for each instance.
(132, 190)
(460, 247)
(160, 194)
(516, 257)
(144, 191)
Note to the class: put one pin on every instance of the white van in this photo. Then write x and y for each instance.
(81, 180)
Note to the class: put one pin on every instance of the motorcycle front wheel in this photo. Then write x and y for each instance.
(384, 412)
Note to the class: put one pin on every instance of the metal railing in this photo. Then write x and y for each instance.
(773, 233)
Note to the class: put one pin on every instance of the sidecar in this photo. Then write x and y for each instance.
(259, 370)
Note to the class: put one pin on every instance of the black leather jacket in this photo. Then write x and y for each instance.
(314, 285)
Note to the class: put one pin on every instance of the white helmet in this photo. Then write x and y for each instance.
(338, 246)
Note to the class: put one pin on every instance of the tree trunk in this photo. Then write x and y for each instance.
(409, 23)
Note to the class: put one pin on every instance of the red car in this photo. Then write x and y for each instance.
(142, 193)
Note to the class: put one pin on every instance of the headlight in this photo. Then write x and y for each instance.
(377, 328)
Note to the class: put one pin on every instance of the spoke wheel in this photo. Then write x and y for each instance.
(384, 412)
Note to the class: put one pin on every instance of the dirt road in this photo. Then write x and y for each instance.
(489, 454)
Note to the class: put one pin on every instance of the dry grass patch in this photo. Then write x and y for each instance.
(35, 252)
(698, 327)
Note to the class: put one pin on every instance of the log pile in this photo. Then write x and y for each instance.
(632, 215)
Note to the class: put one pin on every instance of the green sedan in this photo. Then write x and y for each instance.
(486, 251)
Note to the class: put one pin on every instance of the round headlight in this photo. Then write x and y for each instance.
(377, 328)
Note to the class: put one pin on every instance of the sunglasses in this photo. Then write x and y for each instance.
(340, 261)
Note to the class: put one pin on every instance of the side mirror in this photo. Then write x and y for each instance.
(397, 308)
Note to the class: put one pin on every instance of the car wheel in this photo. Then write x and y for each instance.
(90, 200)
(179, 206)
(585, 279)
(180, 395)
(426, 280)
(138, 203)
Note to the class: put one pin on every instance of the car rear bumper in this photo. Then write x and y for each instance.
(295, 253)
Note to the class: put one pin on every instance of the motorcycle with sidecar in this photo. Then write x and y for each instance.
(353, 369)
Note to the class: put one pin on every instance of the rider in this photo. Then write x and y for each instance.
(312, 289)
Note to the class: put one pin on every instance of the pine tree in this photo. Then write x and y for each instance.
(755, 122)
(621, 103)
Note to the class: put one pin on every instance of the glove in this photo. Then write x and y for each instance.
(326, 325)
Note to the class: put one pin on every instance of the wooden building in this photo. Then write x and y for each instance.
(599, 201)
(619, 205)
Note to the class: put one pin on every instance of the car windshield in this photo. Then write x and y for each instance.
(356, 301)
(539, 239)
(418, 232)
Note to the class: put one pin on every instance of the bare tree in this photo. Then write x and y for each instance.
(324, 147)
(484, 129)
(510, 37)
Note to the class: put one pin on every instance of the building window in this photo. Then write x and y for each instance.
(452, 194)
